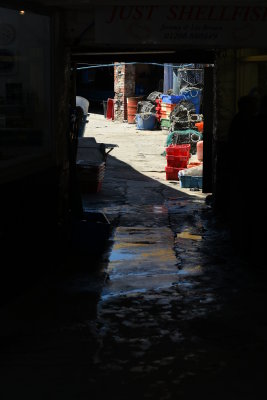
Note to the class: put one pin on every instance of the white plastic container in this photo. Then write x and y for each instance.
(83, 103)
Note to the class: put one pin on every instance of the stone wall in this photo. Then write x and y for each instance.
(124, 86)
(234, 78)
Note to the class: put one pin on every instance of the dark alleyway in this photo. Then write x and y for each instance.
(169, 311)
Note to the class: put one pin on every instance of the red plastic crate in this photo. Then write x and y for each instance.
(178, 150)
(167, 107)
(177, 161)
(90, 177)
(165, 114)
(172, 173)
(110, 109)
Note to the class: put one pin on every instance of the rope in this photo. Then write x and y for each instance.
(90, 66)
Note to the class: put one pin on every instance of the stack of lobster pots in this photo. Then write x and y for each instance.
(177, 157)
(167, 103)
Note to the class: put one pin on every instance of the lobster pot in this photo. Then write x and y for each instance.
(145, 107)
(181, 137)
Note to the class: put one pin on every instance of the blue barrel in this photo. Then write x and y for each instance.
(145, 121)
(194, 96)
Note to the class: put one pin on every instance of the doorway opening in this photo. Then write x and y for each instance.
(180, 95)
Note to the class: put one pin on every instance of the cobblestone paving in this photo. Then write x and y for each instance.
(169, 311)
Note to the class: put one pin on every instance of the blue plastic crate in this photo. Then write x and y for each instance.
(171, 99)
(187, 181)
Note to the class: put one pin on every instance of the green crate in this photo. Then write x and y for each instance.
(165, 123)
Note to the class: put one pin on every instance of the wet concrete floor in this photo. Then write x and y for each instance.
(167, 310)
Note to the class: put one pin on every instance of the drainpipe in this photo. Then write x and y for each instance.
(176, 81)
(168, 77)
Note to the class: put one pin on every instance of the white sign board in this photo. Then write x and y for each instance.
(208, 26)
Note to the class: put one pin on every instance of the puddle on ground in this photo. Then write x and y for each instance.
(194, 270)
(160, 209)
(141, 259)
(188, 235)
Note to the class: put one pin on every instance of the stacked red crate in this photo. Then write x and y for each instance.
(158, 109)
(166, 110)
(177, 159)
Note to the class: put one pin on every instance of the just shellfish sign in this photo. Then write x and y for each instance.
(189, 25)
